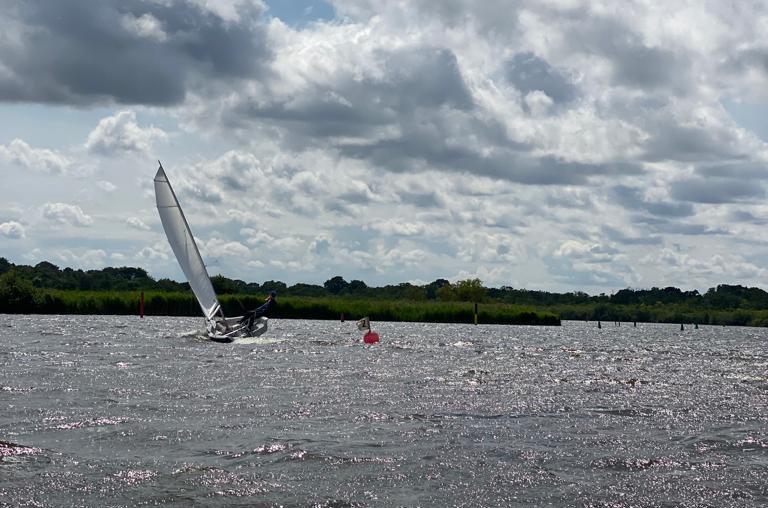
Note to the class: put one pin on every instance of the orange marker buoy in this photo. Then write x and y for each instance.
(371, 337)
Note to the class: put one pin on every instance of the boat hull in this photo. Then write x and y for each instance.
(229, 329)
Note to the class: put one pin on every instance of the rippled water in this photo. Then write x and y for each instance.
(117, 411)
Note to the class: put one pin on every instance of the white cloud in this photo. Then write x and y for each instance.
(63, 213)
(145, 25)
(106, 186)
(216, 247)
(154, 252)
(12, 229)
(83, 258)
(37, 159)
(137, 223)
(121, 134)
(556, 146)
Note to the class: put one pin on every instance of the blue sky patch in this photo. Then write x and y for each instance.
(300, 12)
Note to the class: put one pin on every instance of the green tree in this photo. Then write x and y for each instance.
(274, 285)
(445, 293)
(335, 285)
(470, 290)
(17, 294)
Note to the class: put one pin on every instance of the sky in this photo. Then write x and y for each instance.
(551, 144)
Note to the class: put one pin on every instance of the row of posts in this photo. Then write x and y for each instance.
(634, 325)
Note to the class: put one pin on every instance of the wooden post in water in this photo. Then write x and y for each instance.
(598, 325)
(634, 324)
(475, 313)
(141, 305)
(682, 328)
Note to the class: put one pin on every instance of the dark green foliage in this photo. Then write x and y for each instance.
(46, 288)
(306, 290)
(335, 285)
(17, 295)
(274, 285)
(222, 285)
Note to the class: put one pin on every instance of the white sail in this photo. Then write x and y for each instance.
(183, 245)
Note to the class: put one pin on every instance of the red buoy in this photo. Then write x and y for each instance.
(371, 337)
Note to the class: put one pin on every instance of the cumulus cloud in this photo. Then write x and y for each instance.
(64, 213)
(37, 159)
(128, 52)
(119, 134)
(12, 229)
(405, 140)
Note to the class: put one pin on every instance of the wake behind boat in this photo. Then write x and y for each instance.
(218, 327)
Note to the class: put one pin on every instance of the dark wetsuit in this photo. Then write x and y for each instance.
(251, 316)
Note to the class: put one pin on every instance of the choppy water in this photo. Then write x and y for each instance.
(117, 411)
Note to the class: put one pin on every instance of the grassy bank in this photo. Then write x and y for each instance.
(53, 301)
(661, 313)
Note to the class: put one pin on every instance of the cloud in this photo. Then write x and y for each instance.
(37, 159)
(12, 230)
(106, 186)
(716, 190)
(137, 223)
(120, 134)
(556, 145)
(529, 73)
(152, 253)
(634, 199)
(128, 52)
(621, 237)
(733, 266)
(63, 213)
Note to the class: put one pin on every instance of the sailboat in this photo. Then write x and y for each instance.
(218, 327)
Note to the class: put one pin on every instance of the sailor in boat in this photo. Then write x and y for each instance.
(250, 317)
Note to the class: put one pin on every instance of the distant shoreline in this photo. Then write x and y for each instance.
(46, 288)
(75, 302)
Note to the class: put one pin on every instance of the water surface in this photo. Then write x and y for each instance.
(117, 411)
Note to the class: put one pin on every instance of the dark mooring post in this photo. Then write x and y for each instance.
(598, 325)
(475, 313)
(695, 326)
(141, 305)
(634, 324)
(682, 328)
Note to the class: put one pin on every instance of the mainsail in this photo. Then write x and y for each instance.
(183, 245)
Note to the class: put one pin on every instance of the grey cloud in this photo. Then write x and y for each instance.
(670, 141)
(632, 198)
(738, 169)
(745, 216)
(618, 236)
(634, 63)
(414, 79)
(421, 199)
(742, 60)
(82, 52)
(665, 226)
(716, 190)
(355, 196)
(529, 73)
(425, 145)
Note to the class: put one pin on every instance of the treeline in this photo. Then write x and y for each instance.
(48, 288)
(56, 301)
